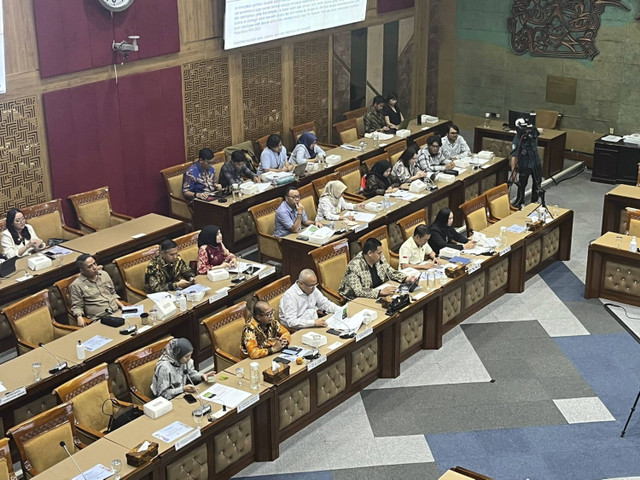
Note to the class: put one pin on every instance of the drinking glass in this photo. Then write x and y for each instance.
(618, 241)
(116, 466)
(240, 375)
(554, 210)
(37, 368)
(153, 316)
(58, 259)
(197, 417)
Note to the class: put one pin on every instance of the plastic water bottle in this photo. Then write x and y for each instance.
(182, 301)
(387, 201)
(255, 375)
(376, 140)
(80, 350)
(332, 225)
(503, 236)
(633, 246)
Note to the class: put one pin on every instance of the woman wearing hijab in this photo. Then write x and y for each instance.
(306, 149)
(377, 182)
(19, 238)
(332, 203)
(212, 253)
(174, 369)
(406, 168)
(444, 235)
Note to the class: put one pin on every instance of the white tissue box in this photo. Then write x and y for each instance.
(312, 167)
(404, 133)
(158, 407)
(333, 159)
(429, 119)
(486, 155)
(446, 178)
(217, 275)
(249, 188)
(448, 252)
(373, 207)
(166, 307)
(321, 236)
(39, 262)
(417, 186)
(314, 339)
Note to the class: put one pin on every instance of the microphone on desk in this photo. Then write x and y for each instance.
(64, 445)
(130, 329)
(203, 408)
(60, 366)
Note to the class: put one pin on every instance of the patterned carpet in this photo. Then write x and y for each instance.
(535, 386)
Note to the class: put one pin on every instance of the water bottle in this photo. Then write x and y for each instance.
(633, 246)
(182, 301)
(387, 201)
(332, 225)
(236, 192)
(376, 140)
(255, 375)
(80, 350)
(503, 236)
(363, 145)
(486, 120)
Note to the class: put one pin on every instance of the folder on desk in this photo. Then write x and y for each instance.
(462, 260)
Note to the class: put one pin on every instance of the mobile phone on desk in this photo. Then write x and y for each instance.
(333, 331)
(190, 398)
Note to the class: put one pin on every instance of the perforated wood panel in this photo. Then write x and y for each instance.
(206, 104)
(262, 92)
(311, 84)
(21, 169)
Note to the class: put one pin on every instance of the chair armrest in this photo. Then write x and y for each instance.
(327, 146)
(91, 228)
(79, 444)
(72, 230)
(335, 296)
(491, 220)
(352, 197)
(227, 356)
(27, 345)
(137, 395)
(69, 328)
(121, 216)
(135, 290)
(88, 431)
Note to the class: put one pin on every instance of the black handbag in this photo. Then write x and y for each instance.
(120, 415)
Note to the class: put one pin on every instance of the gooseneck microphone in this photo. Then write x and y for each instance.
(60, 366)
(204, 408)
(64, 445)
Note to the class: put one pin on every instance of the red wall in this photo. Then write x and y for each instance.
(75, 35)
(117, 135)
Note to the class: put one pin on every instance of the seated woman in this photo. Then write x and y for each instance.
(19, 238)
(332, 203)
(377, 182)
(274, 157)
(212, 253)
(392, 115)
(175, 369)
(444, 235)
(306, 149)
(406, 169)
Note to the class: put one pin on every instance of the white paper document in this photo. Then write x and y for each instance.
(517, 229)
(57, 250)
(172, 432)
(160, 297)
(339, 321)
(196, 288)
(138, 309)
(363, 216)
(97, 472)
(224, 395)
(96, 342)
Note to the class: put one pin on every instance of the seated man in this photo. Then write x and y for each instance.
(199, 180)
(167, 271)
(300, 303)
(263, 335)
(374, 119)
(92, 293)
(369, 270)
(431, 158)
(290, 215)
(454, 145)
(416, 250)
(236, 170)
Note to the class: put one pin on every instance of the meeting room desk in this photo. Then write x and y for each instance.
(613, 272)
(127, 237)
(553, 141)
(614, 214)
(233, 217)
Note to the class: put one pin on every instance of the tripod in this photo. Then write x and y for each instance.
(633, 409)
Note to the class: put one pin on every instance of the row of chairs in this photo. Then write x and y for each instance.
(488, 208)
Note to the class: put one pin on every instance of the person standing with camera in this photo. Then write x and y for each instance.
(525, 161)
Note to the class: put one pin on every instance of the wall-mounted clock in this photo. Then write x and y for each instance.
(116, 5)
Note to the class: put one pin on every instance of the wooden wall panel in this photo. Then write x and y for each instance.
(200, 19)
(22, 173)
(262, 92)
(207, 105)
(311, 84)
(21, 49)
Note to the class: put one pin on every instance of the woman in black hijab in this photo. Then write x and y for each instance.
(377, 182)
(211, 251)
(444, 235)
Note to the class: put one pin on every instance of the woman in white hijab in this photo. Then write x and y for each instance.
(332, 203)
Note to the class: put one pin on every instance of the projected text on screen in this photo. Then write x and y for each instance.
(248, 22)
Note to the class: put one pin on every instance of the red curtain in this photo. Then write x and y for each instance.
(117, 135)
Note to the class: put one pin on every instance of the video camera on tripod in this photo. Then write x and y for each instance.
(527, 131)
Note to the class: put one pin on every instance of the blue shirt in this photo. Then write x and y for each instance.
(285, 218)
(198, 180)
(270, 159)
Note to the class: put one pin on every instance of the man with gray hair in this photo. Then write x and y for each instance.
(300, 303)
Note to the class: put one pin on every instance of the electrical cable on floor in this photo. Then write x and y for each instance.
(623, 309)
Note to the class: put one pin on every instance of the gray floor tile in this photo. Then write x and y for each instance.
(594, 317)
(566, 387)
(557, 365)
(511, 368)
(417, 471)
(535, 414)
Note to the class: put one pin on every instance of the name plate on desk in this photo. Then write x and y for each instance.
(472, 268)
(19, 392)
(247, 403)
(218, 296)
(360, 227)
(505, 250)
(266, 272)
(187, 439)
(365, 333)
(318, 361)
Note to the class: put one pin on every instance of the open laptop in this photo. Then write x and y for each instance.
(300, 169)
(404, 124)
(8, 267)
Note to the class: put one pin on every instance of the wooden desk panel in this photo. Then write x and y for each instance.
(615, 203)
